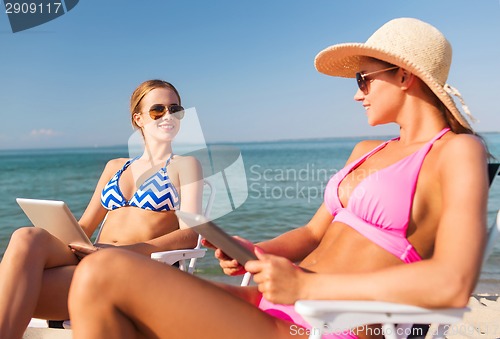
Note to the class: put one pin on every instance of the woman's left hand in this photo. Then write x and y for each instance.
(81, 251)
(279, 280)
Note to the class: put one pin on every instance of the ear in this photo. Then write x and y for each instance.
(407, 79)
(138, 120)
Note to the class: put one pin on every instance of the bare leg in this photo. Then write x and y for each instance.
(30, 252)
(118, 294)
(53, 298)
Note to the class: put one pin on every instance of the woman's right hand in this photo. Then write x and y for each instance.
(229, 265)
(81, 251)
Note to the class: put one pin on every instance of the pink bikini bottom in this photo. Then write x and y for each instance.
(298, 324)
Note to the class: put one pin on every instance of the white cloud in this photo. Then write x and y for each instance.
(43, 132)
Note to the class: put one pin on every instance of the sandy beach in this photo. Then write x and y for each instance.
(47, 333)
(483, 321)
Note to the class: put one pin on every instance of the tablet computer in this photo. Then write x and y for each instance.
(55, 217)
(218, 237)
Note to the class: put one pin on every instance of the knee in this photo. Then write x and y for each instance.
(25, 234)
(94, 274)
(29, 235)
(27, 240)
(94, 269)
(89, 280)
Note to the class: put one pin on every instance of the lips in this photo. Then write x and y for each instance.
(166, 127)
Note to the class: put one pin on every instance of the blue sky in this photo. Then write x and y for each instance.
(246, 66)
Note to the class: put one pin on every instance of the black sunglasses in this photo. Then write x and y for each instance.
(361, 78)
(159, 110)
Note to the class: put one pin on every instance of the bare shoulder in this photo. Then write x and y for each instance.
(185, 161)
(462, 148)
(187, 166)
(114, 165)
(464, 156)
(362, 148)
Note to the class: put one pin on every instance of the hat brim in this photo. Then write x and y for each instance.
(344, 60)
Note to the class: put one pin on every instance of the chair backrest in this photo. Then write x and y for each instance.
(206, 213)
(208, 206)
(492, 237)
(493, 171)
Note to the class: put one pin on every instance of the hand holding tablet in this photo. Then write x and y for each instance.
(217, 237)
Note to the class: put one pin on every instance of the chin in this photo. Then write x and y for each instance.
(373, 122)
(167, 138)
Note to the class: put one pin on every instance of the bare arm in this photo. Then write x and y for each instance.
(296, 244)
(293, 245)
(94, 213)
(305, 239)
(191, 181)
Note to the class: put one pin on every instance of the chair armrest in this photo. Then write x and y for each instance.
(38, 323)
(335, 315)
(171, 257)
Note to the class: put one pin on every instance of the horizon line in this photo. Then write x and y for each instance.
(211, 142)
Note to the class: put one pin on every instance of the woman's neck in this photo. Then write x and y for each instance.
(419, 134)
(156, 152)
(420, 122)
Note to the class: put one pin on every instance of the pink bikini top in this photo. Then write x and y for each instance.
(379, 206)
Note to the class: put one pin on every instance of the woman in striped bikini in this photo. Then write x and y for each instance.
(138, 198)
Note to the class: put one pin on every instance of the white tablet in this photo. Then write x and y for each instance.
(217, 236)
(55, 217)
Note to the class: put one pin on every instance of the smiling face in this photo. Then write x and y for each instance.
(164, 128)
(383, 95)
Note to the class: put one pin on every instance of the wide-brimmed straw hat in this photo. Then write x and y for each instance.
(406, 42)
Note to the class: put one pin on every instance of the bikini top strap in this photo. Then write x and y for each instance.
(439, 135)
(128, 163)
(427, 147)
(376, 149)
(424, 149)
(354, 164)
(168, 161)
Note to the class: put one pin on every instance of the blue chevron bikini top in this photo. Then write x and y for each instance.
(157, 193)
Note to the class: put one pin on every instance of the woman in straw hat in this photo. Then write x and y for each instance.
(380, 234)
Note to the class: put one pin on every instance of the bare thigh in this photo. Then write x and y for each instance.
(36, 273)
(161, 301)
(53, 301)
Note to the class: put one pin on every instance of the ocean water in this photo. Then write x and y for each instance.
(286, 181)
